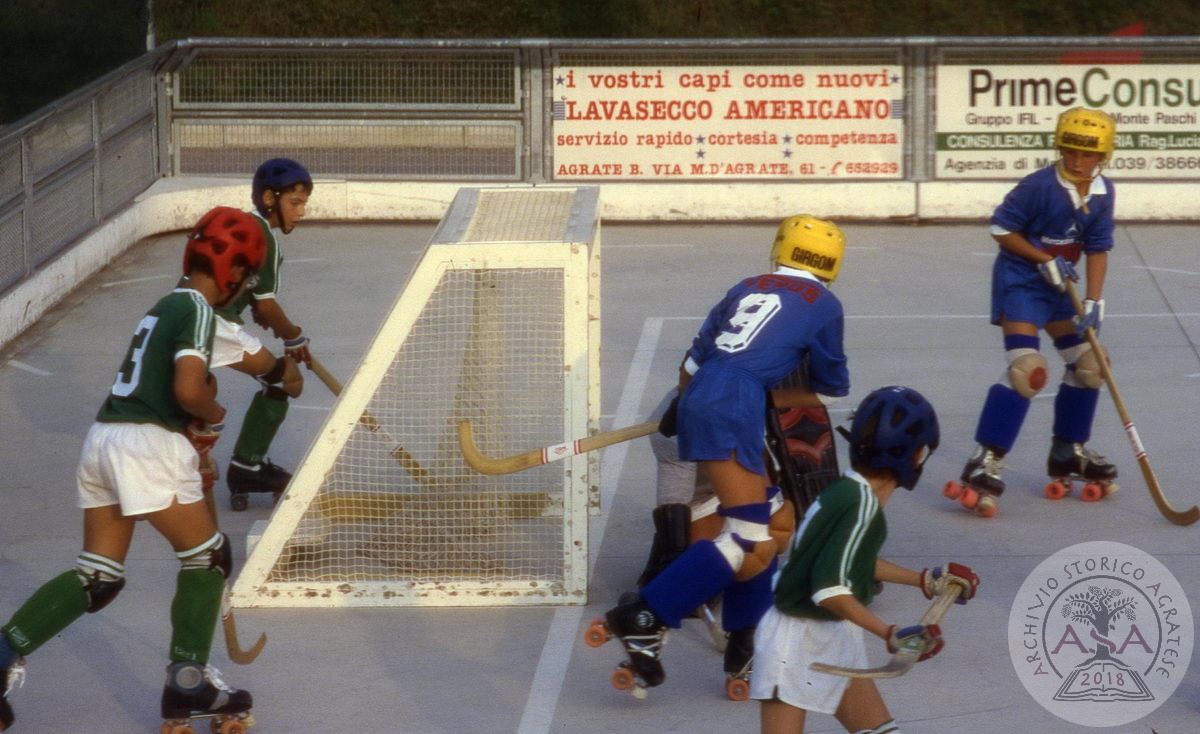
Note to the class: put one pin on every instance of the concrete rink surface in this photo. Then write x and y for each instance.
(916, 299)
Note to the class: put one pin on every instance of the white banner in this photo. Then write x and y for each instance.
(728, 122)
(998, 121)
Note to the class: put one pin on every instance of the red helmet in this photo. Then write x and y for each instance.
(222, 236)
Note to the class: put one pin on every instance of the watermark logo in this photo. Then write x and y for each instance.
(1100, 634)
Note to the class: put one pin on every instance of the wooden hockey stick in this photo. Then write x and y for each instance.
(1187, 517)
(400, 454)
(208, 478)
(232, 647)
(537, 457)
(901, 662)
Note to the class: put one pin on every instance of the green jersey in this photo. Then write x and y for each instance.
(266, 278)
(181, 324)
(834, 550)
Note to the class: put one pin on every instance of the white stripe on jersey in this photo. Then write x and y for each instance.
(204, 325)
(866, 512)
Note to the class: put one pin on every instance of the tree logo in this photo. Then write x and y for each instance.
(1100, 634)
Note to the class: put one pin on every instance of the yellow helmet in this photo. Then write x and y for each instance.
(1081, 128)
(807, 243)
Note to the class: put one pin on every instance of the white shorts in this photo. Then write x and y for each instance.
(141, 467)
(784, 646)
(230, 342)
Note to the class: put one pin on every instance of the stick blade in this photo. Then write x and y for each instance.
(898, 665)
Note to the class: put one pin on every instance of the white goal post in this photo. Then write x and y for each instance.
(499, 324)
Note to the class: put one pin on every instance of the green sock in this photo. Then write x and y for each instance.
(194, 614)
(52, 608)
(259, 427)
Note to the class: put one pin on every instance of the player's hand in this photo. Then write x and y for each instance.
(203, 436)
(1093, 315)
(297, 349)
(1057, 272)
(925, 639)
(934, 580)
(666, 425)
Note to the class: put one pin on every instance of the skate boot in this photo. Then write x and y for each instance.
(12, 677)
(195, 691)
(242, 480)
(642, 635)
(1069, 461)
(672, 526)
(980, 485)
(739, 658)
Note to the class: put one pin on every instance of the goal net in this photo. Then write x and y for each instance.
(499, 324)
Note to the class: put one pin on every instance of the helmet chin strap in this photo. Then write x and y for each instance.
(1072, 178)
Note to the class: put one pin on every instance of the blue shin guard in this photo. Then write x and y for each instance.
(1000, 422)
(745, 602)
(1074, 411)
(692, 579)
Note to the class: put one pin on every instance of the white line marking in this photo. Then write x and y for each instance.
(29, 368)
(136, 280)
(291, 260)
(323, 408)
(564, 629)
(657, 246)
(1164, 270)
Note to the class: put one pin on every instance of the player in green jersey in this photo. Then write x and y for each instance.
(822, 592)
(280, 192)
(141, 460)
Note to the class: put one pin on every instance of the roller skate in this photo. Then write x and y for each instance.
(12, 677)
(195, 691)
(642, 635)
(242, 480)
(980, 485)
(739, 658)
(1069, 461)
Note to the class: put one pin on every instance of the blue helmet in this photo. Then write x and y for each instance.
(894, 428)
(278, 175)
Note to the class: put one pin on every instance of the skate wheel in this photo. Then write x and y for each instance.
(228, 726)
(1058, 489)
(169, 728)
(737, 689)
(969, 498)
(1111, 488)
(986, 506)
(638, 692)
(622, 678)
(238, 502)
(953, 490)
(1092, 492)
(596, 634)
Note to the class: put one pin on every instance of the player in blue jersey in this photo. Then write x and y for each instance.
(141, 460)
(761, 331)
(1043, 227)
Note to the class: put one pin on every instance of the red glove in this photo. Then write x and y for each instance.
(209, 474)
(203, 436)
(923, 638)
(933, 580)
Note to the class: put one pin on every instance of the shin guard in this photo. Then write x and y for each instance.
(263, 419)
(694, 578)
(52, 608)
(1000, 422)
(1074, 411)
(745, 602)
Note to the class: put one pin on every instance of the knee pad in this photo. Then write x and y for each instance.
(783, 518)
(1087, 369)
(102, 579)
(213, 554)
(1026, 372)
(283, 380)
(745, 540)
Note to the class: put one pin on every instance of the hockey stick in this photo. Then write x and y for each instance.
(901, 662)
(208, 478)
(400, 454)
(1187, 517)
(537, 457)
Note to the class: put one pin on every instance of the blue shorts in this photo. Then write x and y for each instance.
(722, 411)
(1018, 297)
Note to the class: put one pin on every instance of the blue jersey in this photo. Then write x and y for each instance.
(764, 328)
(1041, 208)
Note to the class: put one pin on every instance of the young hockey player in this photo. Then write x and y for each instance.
(1043, 226)
(141, 460)
(280, 193)
(822, 592)
(763, 329)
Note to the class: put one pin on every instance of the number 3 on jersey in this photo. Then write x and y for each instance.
(131, 368)
(753, 313)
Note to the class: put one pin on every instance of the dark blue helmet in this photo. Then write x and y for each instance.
(278, 175)
(894, 428)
